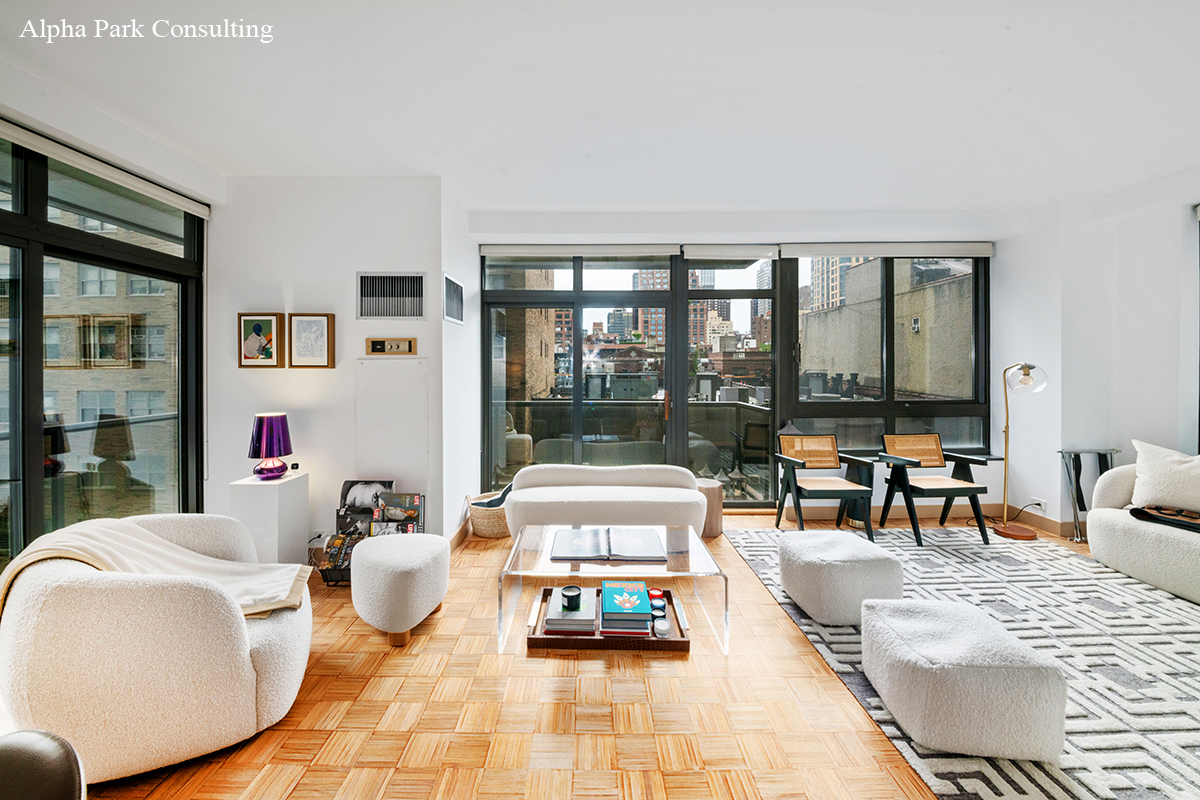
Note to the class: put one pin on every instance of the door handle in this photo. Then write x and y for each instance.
(666, 405)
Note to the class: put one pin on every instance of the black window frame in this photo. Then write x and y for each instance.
(27, 229)
(888, 408)
(786, 404)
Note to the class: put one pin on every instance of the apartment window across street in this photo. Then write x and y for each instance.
(115, 279)
(97, 281)
(142, 285)
(50, 278)
(142, 404)
(149, 343)
(50, 343)
(92, 404)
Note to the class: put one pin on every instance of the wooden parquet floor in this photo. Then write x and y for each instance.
(449, 718)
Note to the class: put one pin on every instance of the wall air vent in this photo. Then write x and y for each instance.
(391, 295)
(452, 306)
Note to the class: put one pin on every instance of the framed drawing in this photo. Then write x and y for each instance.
(311, 338)
(260, 339)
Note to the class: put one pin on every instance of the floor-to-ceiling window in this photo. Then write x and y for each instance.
(697, 355)
(101, 274)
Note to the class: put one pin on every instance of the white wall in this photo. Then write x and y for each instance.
(1026, 324)
(294, 245)
(461, 356)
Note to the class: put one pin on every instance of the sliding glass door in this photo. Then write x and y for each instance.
(630, 358)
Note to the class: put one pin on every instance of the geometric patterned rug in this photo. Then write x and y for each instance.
(1130, 653)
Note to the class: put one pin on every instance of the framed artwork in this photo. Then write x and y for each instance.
(260, 340)
(106, 341)
(310, 337)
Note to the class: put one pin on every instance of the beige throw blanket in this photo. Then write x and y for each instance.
(118, 546)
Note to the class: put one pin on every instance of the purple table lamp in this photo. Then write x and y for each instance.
(269, 440)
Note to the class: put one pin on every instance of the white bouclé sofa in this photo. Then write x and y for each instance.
(566, 494)
(140, 671)
(1159, 555)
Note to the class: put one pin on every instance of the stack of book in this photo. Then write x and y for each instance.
(575, 623)
(624, 609)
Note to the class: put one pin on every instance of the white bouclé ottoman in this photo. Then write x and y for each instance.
(398, 580)
(830, 573)
(956, 680)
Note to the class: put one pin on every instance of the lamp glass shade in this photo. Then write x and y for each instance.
(270, 437)
(269, 440)
(54, 436)
(1026, 379)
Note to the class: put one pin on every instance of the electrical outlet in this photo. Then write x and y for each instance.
(1038, 503)
(319, 539)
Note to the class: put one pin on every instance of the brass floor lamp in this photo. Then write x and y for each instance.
(1021, 378)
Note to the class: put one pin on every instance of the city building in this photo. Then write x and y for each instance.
(828, 276)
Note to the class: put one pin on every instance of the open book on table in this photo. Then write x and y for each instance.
(607, 544)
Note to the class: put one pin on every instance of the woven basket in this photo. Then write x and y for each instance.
(490, 523)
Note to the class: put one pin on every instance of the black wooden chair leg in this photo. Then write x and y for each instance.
(796, 503)
(979, 517)
(841, 512)
(866, 517)
(946, 506)
(783, 492)
(912, 516)
(887, 502)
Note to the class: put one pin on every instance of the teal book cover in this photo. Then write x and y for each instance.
(625, 600)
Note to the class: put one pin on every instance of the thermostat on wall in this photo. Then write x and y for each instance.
(391, 347)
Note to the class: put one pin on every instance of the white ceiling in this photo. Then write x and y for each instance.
(660, 105)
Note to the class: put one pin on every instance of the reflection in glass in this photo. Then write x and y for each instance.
(625, 273)
(840, 328)
(111, 411)
(6, 176)
(956, 432)
(530, 387)
(84, 201)
(861, 433)
(623, 386)
(935, 328)
(528, 273)
(739, 273)
(10, 401)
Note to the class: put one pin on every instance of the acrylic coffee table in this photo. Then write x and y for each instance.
(690, 570)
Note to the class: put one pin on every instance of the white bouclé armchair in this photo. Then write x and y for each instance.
(141, 671)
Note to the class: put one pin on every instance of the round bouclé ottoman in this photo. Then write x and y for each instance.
(830, 573)
(398, 580)
(956, 680)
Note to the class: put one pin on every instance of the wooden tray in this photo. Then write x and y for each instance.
(537, 638)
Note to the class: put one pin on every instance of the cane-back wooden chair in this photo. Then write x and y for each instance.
(799, 452)
(912, 451)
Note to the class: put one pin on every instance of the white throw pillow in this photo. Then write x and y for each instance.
(1166, 478)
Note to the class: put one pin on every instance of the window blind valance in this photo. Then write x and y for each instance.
(890, 249)
(93, 166)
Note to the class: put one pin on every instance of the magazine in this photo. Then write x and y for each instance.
(607, 544)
